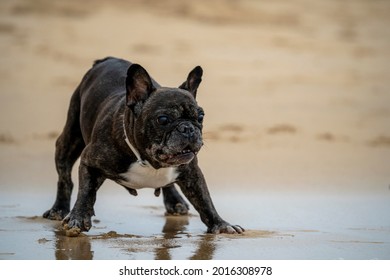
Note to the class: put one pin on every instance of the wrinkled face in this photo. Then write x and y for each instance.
(169, 127)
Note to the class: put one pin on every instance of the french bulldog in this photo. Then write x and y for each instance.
(127, 128)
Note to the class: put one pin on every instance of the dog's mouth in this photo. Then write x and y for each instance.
(182, 156)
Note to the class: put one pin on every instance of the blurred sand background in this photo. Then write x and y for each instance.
(296, 93)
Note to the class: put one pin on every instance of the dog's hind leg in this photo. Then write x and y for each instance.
(69, 146)
(174, 202)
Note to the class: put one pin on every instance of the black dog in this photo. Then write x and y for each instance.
(129, 129)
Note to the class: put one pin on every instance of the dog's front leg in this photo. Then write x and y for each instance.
(194, 187)
(89, 182)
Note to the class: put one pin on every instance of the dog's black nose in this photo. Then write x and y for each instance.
(186, 129)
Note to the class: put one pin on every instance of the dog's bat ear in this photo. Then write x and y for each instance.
(193, 80)
(139, 85)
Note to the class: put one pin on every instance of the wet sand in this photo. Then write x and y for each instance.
(278, 226)
(297, 135)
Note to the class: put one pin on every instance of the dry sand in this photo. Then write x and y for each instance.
(297, 125)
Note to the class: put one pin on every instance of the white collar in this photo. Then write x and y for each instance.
(143, 163)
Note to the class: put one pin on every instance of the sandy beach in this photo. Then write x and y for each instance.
(297, 135)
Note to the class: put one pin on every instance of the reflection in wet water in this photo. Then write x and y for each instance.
(206, 248)
(171, 230)
(80, 248)
(360, 233)
(71, 248)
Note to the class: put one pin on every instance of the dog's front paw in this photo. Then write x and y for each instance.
(225, 228)
(55, 214)
(74, 223)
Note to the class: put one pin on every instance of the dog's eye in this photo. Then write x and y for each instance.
(200, 118)
(163, 120)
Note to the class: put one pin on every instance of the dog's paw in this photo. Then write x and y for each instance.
(225, 228)
(55, 214)
(76, 223)
(177, 209)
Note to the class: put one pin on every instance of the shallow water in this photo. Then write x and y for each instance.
(278, 226)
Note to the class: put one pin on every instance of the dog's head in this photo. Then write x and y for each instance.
(167, 122)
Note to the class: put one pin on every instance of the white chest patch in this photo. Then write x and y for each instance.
(138, 176)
